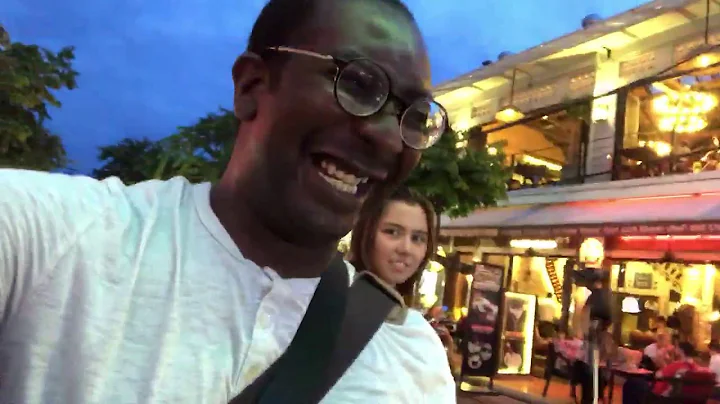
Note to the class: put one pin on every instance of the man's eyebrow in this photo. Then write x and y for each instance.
(349, 54)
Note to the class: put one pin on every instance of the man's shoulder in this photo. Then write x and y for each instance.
(74, 201)
(163, 192)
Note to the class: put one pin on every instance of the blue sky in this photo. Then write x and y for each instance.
(147, 67)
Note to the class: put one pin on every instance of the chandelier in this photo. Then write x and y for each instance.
(683, 112)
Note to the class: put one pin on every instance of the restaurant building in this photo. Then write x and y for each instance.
(612, 135)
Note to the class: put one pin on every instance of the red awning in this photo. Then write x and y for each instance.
(682, 214)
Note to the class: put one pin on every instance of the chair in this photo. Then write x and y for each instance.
(551, 370)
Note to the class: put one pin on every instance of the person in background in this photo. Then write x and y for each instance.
(659, 325)
(684, 361)
(635, 390)
(435, 316)
(657, 354)
(393, 240)
(714, 365)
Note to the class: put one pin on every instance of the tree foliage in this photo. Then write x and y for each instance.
(132, 160)
(198, 152)
(459, 180)
(28, 76)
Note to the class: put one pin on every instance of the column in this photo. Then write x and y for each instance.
(601, 139)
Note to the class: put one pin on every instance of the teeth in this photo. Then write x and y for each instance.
(339, 185)
(339, 176)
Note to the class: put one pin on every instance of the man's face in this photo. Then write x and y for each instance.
(300, 132)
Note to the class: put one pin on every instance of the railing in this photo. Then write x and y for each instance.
(531, 170)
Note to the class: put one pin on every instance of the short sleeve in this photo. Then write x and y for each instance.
(41, 216)
(650, 351)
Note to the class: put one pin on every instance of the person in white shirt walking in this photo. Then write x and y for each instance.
(169, 292)
(714, 365)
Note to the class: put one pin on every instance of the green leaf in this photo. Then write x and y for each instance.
(458, 183)
(28, 76)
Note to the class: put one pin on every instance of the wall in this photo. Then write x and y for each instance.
(660, 288)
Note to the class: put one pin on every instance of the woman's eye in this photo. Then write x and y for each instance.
(419, 239)
(391, 232)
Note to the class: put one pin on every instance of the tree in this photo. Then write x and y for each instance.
(28, 75)
(459, 180)
(131, 160)
(198, 152)
(201, 152)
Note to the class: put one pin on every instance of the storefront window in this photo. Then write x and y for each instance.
(544, 151)
(647, 291)
(541, 277)
(671, 127)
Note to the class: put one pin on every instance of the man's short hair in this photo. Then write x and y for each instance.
(279, 20)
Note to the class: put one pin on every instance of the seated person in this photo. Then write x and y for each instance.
(659, 325)
(657, 354)
(634, 390)
(714, 365)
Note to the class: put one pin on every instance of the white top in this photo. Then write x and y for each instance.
(131, 295)
(715, 366)
(651, 351)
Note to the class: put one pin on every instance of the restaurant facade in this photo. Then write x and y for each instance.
(612, 136)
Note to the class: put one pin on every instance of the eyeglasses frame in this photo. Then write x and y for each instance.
(341, 64)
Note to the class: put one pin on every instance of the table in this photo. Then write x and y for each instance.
(627, 373)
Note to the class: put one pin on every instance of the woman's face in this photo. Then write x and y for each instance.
(400, 242)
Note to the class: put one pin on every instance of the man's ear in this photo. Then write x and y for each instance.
(250, 77)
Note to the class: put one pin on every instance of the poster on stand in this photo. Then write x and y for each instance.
(483, 322)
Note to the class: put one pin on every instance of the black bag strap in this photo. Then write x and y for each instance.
(368, 306)
(338, 324)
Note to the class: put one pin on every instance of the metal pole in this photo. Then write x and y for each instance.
(594, 358)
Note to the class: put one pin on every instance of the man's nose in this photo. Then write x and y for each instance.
(382, 131)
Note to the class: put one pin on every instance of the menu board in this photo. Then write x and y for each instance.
(643, 281)
(483, 323)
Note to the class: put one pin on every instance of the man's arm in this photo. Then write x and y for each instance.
(41, 216)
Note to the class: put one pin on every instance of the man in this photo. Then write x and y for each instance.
(167, 292)
(658, 354)
(635, 390)
(684, 361)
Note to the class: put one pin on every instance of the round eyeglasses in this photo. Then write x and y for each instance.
(362, 88)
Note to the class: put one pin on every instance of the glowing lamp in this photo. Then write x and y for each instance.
(630, 305)
(509, 114)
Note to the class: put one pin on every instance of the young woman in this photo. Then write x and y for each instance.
(393, 240)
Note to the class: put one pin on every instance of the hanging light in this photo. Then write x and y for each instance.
(630, 305)
(510, 113)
